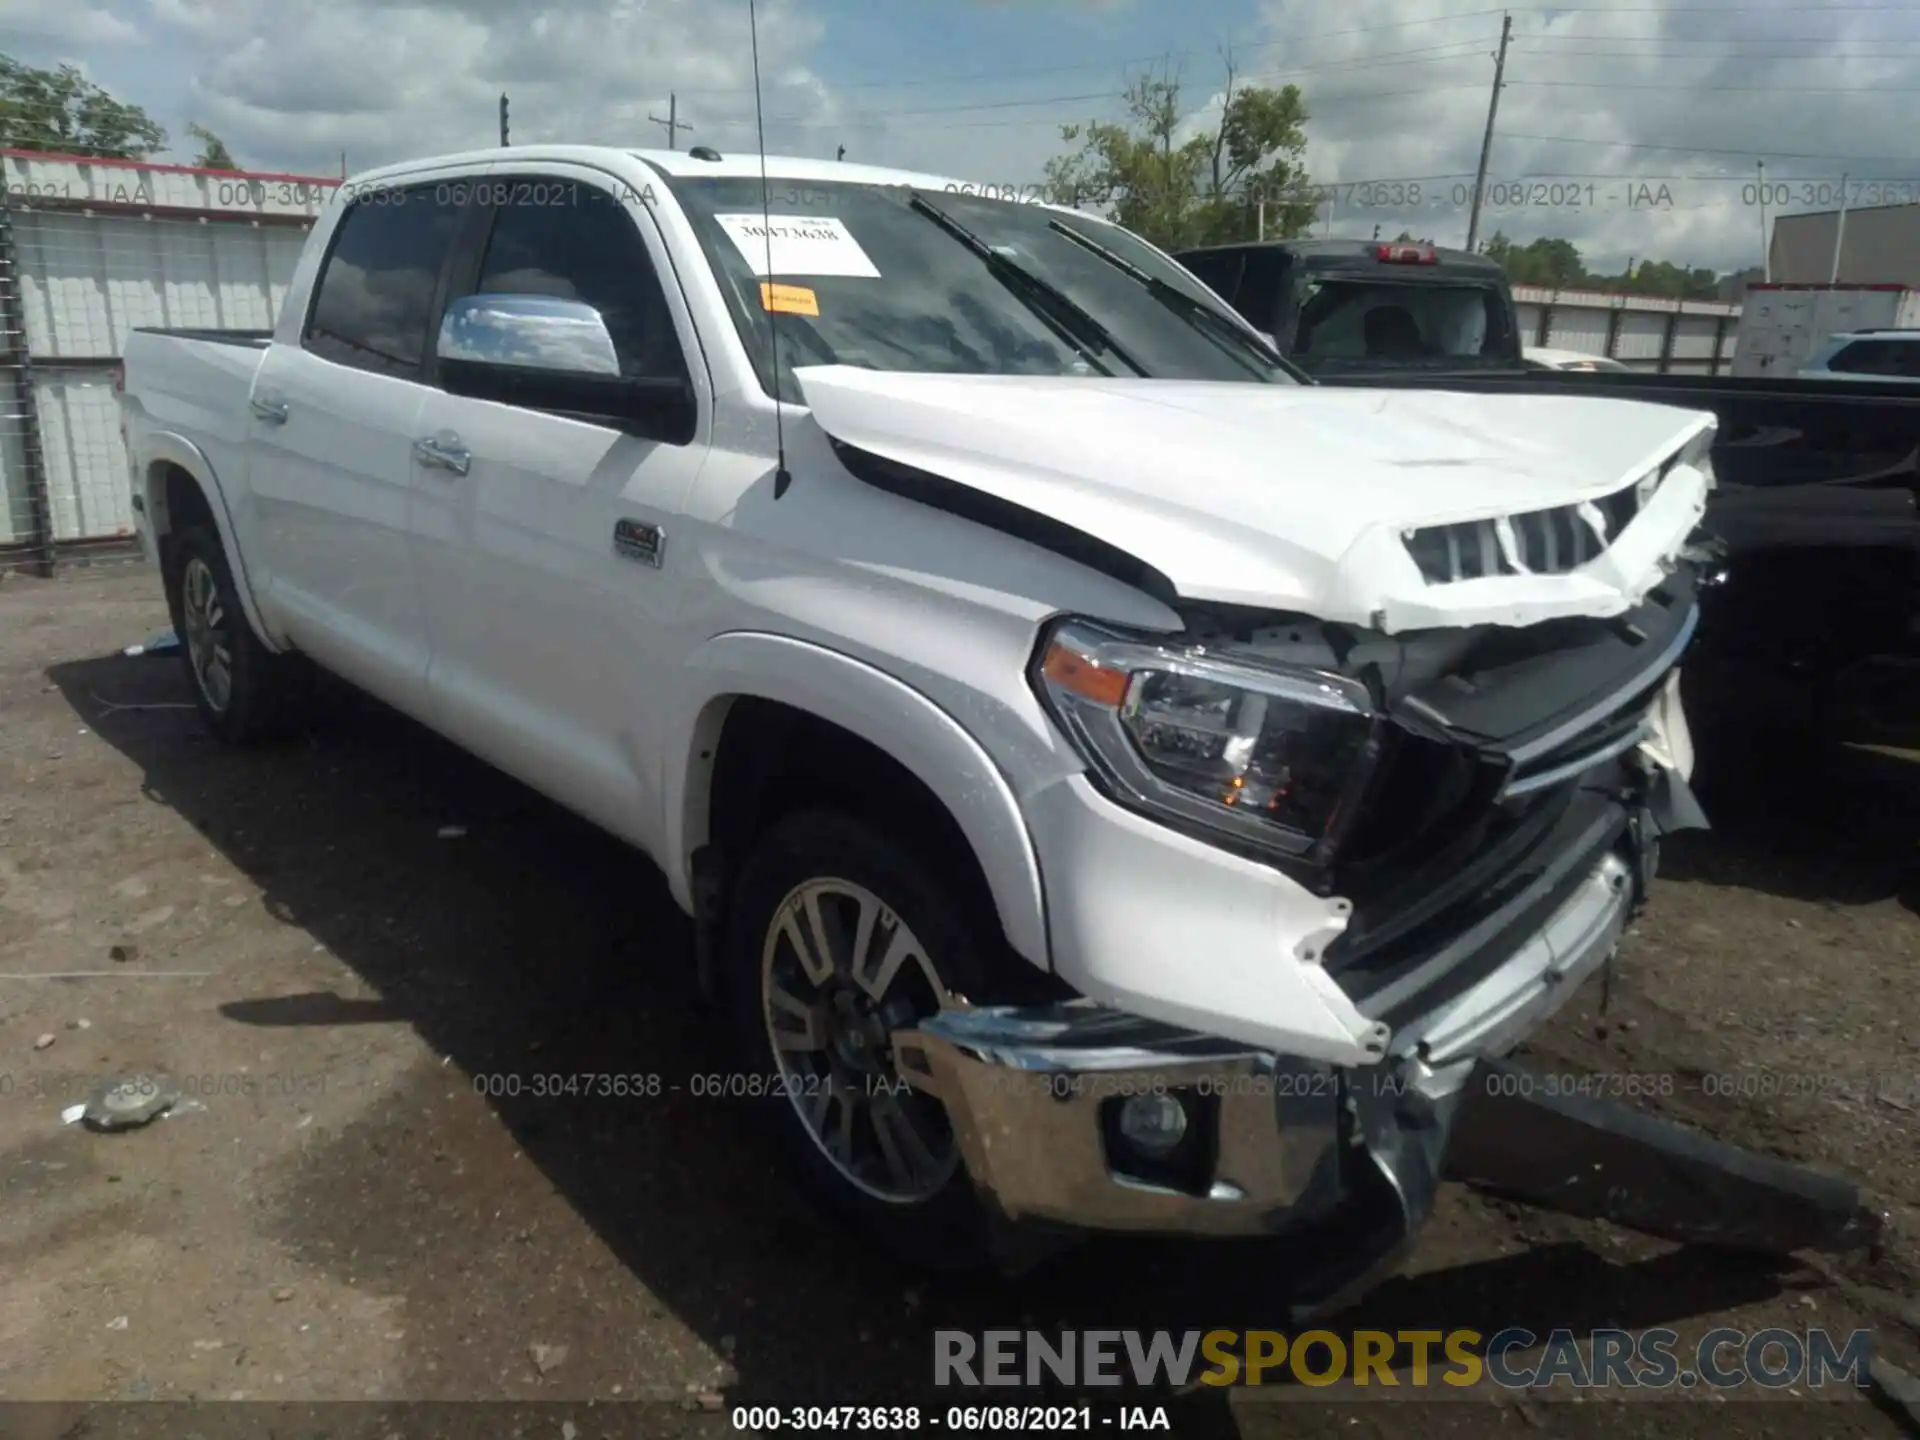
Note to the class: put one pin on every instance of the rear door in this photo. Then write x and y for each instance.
(333, 417)
(548, 639)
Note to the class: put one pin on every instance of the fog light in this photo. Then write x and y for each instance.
(1153, 1124)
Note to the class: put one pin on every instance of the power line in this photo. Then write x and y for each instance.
(1714, 40)
(1124, 62)
(1331, 67)
(1877, 91)
(1710, 149)
(1319, 102)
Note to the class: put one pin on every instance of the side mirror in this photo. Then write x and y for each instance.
(544, 353)
(528, 332)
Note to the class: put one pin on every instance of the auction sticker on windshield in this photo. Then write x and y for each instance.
(809, 245)
(788, 299)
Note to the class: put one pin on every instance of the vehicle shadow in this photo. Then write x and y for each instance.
(532, 942)
(1803, 817)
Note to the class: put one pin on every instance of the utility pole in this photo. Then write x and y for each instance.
(673, 122)
(1486, 143)
(1839, 233)
(503, 119)
(1766, 252)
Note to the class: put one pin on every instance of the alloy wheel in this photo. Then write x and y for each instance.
(840, 973)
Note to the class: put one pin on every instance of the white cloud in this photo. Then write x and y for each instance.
(294, 83)
(1743, 79)
(291, 84)
(65, 24)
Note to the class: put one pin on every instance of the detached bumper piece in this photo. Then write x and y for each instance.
(1603, 1161)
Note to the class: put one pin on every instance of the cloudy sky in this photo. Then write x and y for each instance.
(1637, 126)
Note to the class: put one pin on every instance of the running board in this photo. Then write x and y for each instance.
(1602, 1161)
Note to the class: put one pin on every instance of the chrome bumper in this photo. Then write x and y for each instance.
(1283, 1142)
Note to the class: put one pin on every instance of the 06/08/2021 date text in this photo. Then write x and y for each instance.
(715, 1085)
(995, 1419)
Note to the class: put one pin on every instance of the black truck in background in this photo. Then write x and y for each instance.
(1818, 618)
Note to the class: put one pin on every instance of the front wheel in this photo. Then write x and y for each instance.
(837, 938)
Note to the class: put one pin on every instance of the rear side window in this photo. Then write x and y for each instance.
(374, 301)
(576, 242)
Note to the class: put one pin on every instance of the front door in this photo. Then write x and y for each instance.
(543, 542)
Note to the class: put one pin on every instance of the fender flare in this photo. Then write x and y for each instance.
(881, 710)
(168, 447)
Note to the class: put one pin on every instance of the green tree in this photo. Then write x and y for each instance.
(64, 111)
(1542, 261)
(1205, 189)
(214, 154)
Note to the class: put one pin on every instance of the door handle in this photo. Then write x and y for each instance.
(270, 408)
(443, 452)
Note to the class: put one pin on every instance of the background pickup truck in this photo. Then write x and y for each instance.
(1089, 822)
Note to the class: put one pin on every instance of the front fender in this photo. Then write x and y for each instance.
(884, 712)
(161, 448)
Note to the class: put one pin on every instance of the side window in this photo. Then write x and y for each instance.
(576, 242)
(374, 299)
(1862, 357)
(1905, 359)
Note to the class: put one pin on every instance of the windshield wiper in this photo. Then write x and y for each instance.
(1064, 315)
(1202, 317)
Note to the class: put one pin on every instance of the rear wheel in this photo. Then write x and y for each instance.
(243, 690)
(838, 937)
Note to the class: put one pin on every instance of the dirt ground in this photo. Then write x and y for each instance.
(299, 936)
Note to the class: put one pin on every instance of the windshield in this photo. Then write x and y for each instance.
(1351, 324)
(861, 277)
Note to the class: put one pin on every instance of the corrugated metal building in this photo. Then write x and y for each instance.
(1880, 246)
(1680, 337)
(90, 249)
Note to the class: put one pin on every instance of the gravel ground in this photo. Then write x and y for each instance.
(335, 942)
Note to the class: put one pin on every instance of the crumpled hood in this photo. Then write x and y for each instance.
(1293, 497)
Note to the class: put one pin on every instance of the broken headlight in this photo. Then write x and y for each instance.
(1241, 747)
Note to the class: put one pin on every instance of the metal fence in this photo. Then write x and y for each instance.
(90, 250)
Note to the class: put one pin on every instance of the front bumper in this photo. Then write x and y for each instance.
(1034, 1094)
(1348, 1159)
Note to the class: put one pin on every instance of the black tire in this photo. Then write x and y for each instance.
(948, 1229)
(259, 698)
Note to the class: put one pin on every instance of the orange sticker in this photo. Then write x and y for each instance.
(789, 299)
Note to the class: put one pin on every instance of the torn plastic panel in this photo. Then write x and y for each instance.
(1511, 763)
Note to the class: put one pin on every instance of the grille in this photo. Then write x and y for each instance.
(1544, 542)
(1612, 733)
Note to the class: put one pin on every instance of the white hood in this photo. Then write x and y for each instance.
(1293, 497)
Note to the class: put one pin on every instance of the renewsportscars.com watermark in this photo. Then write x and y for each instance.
(1313, 1363)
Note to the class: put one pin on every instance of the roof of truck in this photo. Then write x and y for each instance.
(676, 164)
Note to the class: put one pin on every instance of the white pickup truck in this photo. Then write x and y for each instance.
(1119, 785)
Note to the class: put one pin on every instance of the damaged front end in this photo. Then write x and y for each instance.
(1479, 813)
